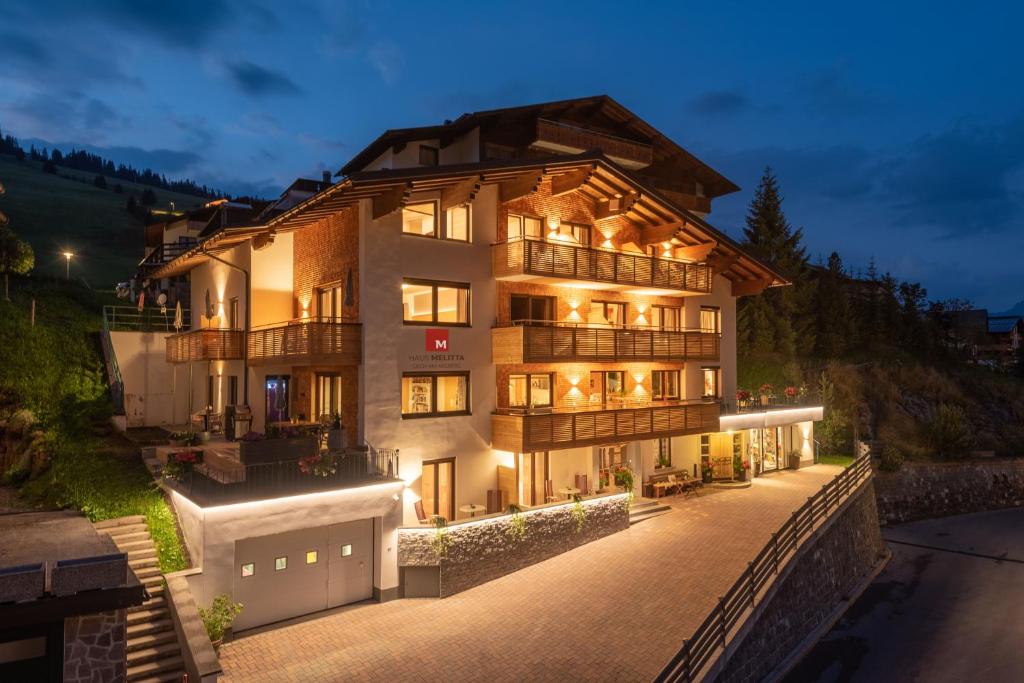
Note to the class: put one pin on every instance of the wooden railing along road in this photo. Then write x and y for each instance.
(697, 651)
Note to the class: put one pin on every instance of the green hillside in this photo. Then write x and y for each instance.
(54, 212)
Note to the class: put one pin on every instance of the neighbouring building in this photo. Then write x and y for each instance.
(519, 302)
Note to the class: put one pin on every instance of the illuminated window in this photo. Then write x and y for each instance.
(280, 563)
(346, 550)
(529, 391)
(666, 317)
(427, 395)
(664, 452)
(456, 223)
(435, 303)
(710, 319)
(311, 557)
(524, 226)
(705, 445)
(607, 313)
(665, 384)
(248, 569)
(712, 382)
(329, 301)
(420, 219)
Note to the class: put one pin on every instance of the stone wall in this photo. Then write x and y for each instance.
(483, 550)
(922, 490)
(94, 647)
(825, 571)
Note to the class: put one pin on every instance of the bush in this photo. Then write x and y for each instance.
(950, 431)
(218, 617)
(892, 459)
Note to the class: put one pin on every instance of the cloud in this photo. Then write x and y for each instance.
(719, 103)
(386, 58)
(257, 81)
(22, 49)
(65, 113)
(832, 92)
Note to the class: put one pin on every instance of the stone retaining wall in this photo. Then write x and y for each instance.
(94, 647)
(483, 550)
(824, 572)
(922, 490)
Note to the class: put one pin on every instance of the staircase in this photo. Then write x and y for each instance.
(154, 655)
(645, 508)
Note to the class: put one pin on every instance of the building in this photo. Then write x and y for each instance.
(519, 302)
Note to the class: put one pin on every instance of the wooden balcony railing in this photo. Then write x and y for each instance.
(568, 137)
(560, 260)
(208, 344)
(568, 428)
(544, 342)
(308, 341)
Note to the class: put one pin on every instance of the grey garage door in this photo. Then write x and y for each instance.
(286, 575)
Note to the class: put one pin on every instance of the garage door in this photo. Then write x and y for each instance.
(286, 575)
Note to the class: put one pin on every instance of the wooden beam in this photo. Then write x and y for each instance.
(520, 186)
(571, 181)
(391, 200)
(656, 234)
(748, 287)
(462, 192)
(696, 252)
(720, 262)
(615, 206)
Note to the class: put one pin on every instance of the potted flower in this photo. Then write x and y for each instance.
(742, 398)
(791, 393)
(336, 435)
(766, 392)
(624, 478)
(181, 463)
(319, 465)
(183, 438)
(740, 468)
(707, 473)
(218, 617)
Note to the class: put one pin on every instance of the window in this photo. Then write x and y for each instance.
(665, 384)
(346, 550)
(420, 219)
(329, 301)
(233, 313)
(328, 395)
(712, 382)
(428, 156)
(248, 569)
(280, 563)
(529, 391)
(532, 308)
(520, 227)
(607, 385)
(710, 319)
(579, 233)
(665, 452)
(311, 556)
(705, 445)
(456, 223)
(435, 303)
(607, 313)
(666, 317)
(232, 390)
(427, 395)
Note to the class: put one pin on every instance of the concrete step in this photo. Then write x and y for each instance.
(150, 627)
(154, 603)
(152, 640)
(163, 677)
(146, 572)
(120, 540)
(120, 521)
(142, 671)
(154, 653)
(129, 546)
(648, 512)
(118, 531)
(155, 590)
(144, 562)
(148, 614)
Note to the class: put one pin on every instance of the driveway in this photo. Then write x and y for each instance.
(947, 608)
(615, 609)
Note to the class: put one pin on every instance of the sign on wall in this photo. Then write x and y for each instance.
(438, 347)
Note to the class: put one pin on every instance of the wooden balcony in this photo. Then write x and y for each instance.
(570, 428)
(208, 344)
(533, 259)
(307, 342)
(566, 138)
(540, 342)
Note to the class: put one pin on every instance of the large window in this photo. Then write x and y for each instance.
(435, 394)
(607, 386)
(712, 382)
(421, 218)
(529, 390)
(435, 303)
(524, 307)
(664, 452)
(437, 487)
(524, 226)
(329, 301)
(328, 395)
(456, 223)
(574, 231)
(607, 313)
(666, 317)
(665, 384)
(710, 319)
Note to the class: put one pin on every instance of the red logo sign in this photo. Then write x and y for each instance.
(437, 341)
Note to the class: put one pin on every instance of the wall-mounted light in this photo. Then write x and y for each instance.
(554, 223)
(638, 376)
(574, 379)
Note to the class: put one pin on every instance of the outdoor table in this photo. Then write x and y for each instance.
(472, 509)
(568, 492)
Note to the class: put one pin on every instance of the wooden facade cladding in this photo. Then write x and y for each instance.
(540, 258)
(552, 343)
(525, 433)
(566, 137)
(313, 342)
(208, 344)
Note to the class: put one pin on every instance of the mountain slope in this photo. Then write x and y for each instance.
(55, 213)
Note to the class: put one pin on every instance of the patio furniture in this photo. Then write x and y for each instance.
(496, 501)
(549, 491)
(422, 516)
(583, 484)
(472, 509)
(569, 492)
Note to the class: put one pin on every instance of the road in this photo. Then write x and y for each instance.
(949, 607)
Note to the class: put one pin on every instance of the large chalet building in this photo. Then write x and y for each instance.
(512, 306)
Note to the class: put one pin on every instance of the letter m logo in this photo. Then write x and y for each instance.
(437, 341)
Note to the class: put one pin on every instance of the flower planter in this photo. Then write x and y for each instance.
(277, 450)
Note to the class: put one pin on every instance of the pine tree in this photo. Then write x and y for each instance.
(835, 329)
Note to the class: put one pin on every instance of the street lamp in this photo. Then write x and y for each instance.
(67, 261)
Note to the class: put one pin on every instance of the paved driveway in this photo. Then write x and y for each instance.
(615, 609)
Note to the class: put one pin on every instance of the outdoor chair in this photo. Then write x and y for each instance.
(422, 516)
(549, 491)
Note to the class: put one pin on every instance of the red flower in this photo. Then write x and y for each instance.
(791, 392)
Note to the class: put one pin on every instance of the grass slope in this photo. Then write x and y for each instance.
(56, 370)
(54, 213)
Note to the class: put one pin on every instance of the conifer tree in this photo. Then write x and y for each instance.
(835, 327)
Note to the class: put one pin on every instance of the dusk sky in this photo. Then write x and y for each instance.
(896, 129)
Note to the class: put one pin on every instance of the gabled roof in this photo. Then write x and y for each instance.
(585, 111)
(1003, 324)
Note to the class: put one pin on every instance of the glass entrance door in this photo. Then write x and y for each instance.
(276, 391)
(765, 447)
(534, 469)
(437, 488)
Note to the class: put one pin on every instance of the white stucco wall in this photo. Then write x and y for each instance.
(151, 394)
(720, 296)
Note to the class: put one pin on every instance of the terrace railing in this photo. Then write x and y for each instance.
(310, 340)
(698, 650)
(760, 404)
(206, 344)
(561, 260)
(131, 319)
(166, 252)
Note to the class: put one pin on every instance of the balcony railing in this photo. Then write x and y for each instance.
(760, 404)
(538, 430)
(540, 258)
(131, 319)
(566, 136)
(307, 341)
(206, 344)
(548, 342)
(353, 467)
(165, 253)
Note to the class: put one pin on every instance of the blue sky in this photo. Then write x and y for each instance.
(896, 129)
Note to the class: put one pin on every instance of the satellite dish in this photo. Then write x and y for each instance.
(162, 299)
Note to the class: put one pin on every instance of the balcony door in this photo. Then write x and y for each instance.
(276, 392)
(532, 469)
(329, 302)
(437, 487)
(328, 395)
(607, 386)
(526, 308)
